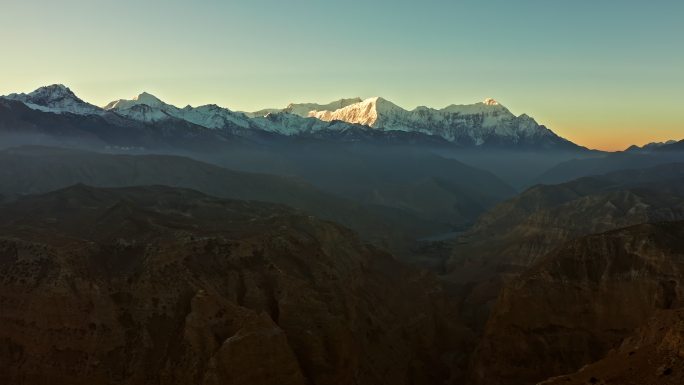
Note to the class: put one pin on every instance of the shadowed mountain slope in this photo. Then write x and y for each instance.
(33, 170)
(580, 301)
(169, 286)
(438, 189)
(517, 232)
(612, 162)
(653, 355)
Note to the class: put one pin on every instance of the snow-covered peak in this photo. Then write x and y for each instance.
(488, 106)
(149, 108)
(149, 99)
(366, 112)
(56, 98)
(371, 111)
(53, 92)
(478, 123)
(143, 98)
(303, 109)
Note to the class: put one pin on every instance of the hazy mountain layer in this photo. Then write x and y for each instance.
(438, 189)
(33, 170)
(597, 165)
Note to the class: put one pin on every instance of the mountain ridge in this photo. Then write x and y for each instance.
(471, 124)
(486, 123)
(56, 98)
(163, 285)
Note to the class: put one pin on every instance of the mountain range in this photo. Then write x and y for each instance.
(484, 135)
(487, 124)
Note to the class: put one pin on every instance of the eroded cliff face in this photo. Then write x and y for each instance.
(516, 234)
(579, 302)
(653, 355)
(513, 236)
(168, 286)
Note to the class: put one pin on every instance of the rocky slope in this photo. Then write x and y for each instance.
(516, 234)
(168, 286)
(581, 301)
(653, 355)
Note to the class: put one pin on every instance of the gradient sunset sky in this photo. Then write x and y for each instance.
(603, 73)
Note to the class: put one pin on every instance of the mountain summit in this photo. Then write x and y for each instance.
(476, 124)
(303, 109)
(56, 98)
(366, 112)
(149, 108)
(143, 98)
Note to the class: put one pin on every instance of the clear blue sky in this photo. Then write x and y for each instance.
(604, 73)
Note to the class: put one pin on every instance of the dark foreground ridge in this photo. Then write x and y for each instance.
(170, 286)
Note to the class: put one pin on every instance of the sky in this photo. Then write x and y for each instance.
(602, 73)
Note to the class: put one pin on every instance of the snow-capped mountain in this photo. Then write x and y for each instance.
(303, 109)
(148, 108)
(487, 122)
(57, 99)
(482, 124)
(287, 124)
(144, 98)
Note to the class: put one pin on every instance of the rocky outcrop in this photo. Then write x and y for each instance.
(169, 286)
(654, 355)
(516, 234)
(579, 302)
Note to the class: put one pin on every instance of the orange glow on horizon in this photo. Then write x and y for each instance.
(610, 137)
(620, 144)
